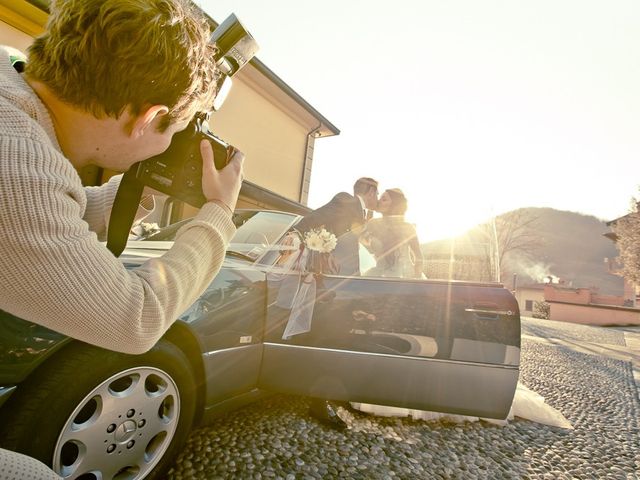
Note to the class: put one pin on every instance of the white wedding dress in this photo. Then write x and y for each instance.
(399, 264)
(526, 404)
(390, 240)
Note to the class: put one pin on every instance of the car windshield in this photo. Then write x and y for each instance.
(257, 231)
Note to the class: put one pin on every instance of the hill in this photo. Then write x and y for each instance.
(564, 245)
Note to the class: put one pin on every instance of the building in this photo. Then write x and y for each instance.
(576, 305)
(527, 296)
(264, 117)
(586, 306)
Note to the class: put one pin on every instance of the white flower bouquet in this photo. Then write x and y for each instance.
(320, 243)
(320, 240)
(144, 230)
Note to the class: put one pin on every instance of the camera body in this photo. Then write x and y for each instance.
(177, 171)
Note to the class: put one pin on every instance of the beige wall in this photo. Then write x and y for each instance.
(616, 300)
(13, 37)
(273, 141)
(583, 296)
(570, 295)
(524, 294)
(590, 315)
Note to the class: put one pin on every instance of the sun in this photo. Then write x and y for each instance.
(429, 229)
(446, 222)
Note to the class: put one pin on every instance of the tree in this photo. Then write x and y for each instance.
(510, 234)
(541, 310)
(627, 231)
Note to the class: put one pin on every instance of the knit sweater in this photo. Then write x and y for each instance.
(54, 271)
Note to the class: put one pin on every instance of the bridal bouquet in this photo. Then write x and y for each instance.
(300, 293)
(320, 243)
(319, 240)
(144, 229)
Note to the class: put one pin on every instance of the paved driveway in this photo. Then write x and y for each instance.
(585, 372)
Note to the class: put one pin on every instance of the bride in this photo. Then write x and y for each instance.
(393, 241)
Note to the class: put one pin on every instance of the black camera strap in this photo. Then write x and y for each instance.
(123, 211)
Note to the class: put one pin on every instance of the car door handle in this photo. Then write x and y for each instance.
(488, 313)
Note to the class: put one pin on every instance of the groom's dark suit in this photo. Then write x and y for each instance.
(343, 213)
(339, 216)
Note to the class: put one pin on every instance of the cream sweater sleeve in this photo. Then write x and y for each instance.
(55, 272)
(100, 202)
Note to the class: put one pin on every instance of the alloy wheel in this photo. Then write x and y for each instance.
(121, 429)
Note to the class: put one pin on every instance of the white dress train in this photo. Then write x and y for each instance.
(526, 404)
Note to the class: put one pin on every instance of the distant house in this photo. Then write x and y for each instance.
(527, 296)
(577, 305)
(586, 306)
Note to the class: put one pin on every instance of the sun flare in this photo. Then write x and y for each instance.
(444, 223)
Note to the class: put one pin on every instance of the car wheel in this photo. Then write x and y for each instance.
(96, 414)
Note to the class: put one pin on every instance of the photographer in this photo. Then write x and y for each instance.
(107, 84)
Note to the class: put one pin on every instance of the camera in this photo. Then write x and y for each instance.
(177, 171)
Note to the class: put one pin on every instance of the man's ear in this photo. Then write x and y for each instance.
(146, 119)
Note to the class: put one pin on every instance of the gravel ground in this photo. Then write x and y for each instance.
(275, 438)
(571, 332)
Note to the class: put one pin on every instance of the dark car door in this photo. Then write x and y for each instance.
(227, 322)
(423, 344)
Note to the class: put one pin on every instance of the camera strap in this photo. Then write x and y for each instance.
(123, 211)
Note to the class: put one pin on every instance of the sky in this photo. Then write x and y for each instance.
(472, 108)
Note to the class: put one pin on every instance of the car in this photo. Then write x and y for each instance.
(429, 344)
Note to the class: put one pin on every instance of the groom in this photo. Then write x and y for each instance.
(345, 216)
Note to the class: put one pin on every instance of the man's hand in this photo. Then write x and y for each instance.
(221, 185)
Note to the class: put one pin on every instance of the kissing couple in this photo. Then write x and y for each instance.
(390, 238)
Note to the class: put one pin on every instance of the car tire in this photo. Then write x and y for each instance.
(93, 413)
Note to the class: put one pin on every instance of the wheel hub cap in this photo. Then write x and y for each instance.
(126, 431)
(121, 429)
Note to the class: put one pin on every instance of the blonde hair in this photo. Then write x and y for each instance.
(105, 56)
(398, 202)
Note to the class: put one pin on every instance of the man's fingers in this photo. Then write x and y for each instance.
(221, 185)
(236, 156)
(236, 163)
(206, 150)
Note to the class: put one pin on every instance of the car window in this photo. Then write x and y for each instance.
(257, 234)
(257, 231)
